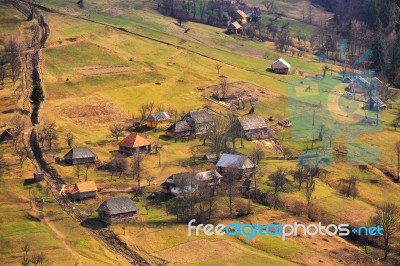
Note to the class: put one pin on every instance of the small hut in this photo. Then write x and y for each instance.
(117, 210)
(38, 176)
(80, 155)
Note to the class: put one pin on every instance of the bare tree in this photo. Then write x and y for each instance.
(279, 179)
(218, 67)
(349, 187)
(14, 48)
(50, 134)
(136, 169)
(397, 150)
(87, 167)
(257, 155)
(40, 259)
(324, 70)
(388, 217)
(218, 137)
(310, 188)
(25, 259)
(149, 179)
(117, 131)
(300, 175)
(69, 139)
(233, 131)
(118, 165)
(224, 87)
(22, 153)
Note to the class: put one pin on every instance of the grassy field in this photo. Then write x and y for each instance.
(85, 101)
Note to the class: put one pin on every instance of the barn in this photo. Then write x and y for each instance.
(117, 210)
(134, 143)
(280, 66)
(253, 127)
(158, 120)
(179, 129)
(235, 165)
(83, 190)
(200, 120)
(80, 155)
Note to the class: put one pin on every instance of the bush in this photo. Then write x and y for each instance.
(298, 208)
(313, 212)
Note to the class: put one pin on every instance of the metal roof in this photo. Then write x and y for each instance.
(79, 153)
(235, 161)
(117, 206)
(280, 63)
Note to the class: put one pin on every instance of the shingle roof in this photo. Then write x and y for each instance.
(183, 178)
(280, 63)
(250, 122)
(158, 117)
(179, 126)
(242, 14)
(79, 153)
(86, 186)
(199, 116)
(235, 161)
(133, 140)
(117, 206)
(235, 25)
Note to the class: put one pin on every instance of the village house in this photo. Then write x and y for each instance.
(134, 143)
(234, 27)
(82, 190)
(280, 66)
(80, 155)
(375, 104)
(253, 127)
(208, 178)
(38, 176)
(235, 165)
(179, 129)
(117, 210)
(240, 16)
(200, 121)
(7, 134)
(180, 183)
(158, 120)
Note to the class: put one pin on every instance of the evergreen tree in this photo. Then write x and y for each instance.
(37, 96)
(378, 49)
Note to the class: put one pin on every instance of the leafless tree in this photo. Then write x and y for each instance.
(218, 67)
(50, 134)
(300, 175)
(388, 217)
(136, 169)
(87, 167)
(69, 138)
(117, 131)
(233, 130)
(25, 259)
(78, 171)
(349, 187)
(40, 259)
(218, 137)
(18, 123)
(22, 153)
(397, 150)
(149, 179)
(257, 155)
(14, 48)
(224, 87)
(118, 165)
(279, 179)
(310, 188)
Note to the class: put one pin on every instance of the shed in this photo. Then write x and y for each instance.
(83, 190)
(280, 66)
(200, 120)
(234, 27)
(208, 178)
(38, 176)
(134, 143)
(180, 183)
(117, 210)
(179, 129)
(253, 127)
(158, 119)
(7, 134)
(236, 165)
(80, 155)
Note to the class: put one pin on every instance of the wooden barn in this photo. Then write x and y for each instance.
(158, 120)
(200, 121)
(234, 27)
(253, 127)
(179, 129)
(240, 16)
(117, 210)
(180, 183)
(83, 190)
(80, 155)
(134, 143)
(235, 165)
(280, 66)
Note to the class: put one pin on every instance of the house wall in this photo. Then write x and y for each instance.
(81, 160)
(256, 134)
(237, 173)
(281, 70)
(153, 124)
(118, 218)
(85, 195)
(135, 150)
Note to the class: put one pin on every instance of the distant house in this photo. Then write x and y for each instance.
(38, 176)
(80, 155)
(180, 183)
(7, 134)
(208, 178)
(83, 190)
(234, 27)
(253, 127)
(158, 120)
(117, 210)
(179, 129)
(200, 120)
(211, 157)
(235, 165)
(240, 16)
(375, 104)
(134, 143)
(280, 66)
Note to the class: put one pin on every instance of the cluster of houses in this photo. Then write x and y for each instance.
(240, 17)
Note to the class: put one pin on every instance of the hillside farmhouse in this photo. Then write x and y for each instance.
(235, 165)
(134, 143)
(80, 155)
(83, 190)
(234, 27)
(158, 120)
(280, 66)
(117, 210)
(240, 16)
(208, 178)
(253, 127)
(179, 129)
(200, 121)
(180, 183)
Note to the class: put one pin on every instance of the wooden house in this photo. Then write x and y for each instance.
(38, 176)
(253, 127)
(234, 27)
(280, 66)
(235, 165)
(180, 183)
(200, 121)
(117, 210)
(134, 143)
(208, 178)
(158, 120)
(179, 129)
(80, 155)
(83, 190)
(240, 16)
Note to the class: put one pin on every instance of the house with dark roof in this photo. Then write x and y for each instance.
(252, 127)
(179, 129)
(235, 165)
(180, 183)
(7, 134)
(280, 66)
(79, 155)
(82, 190)
(200, 121)
(117, 210)
(134, 143)
(158, 120)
